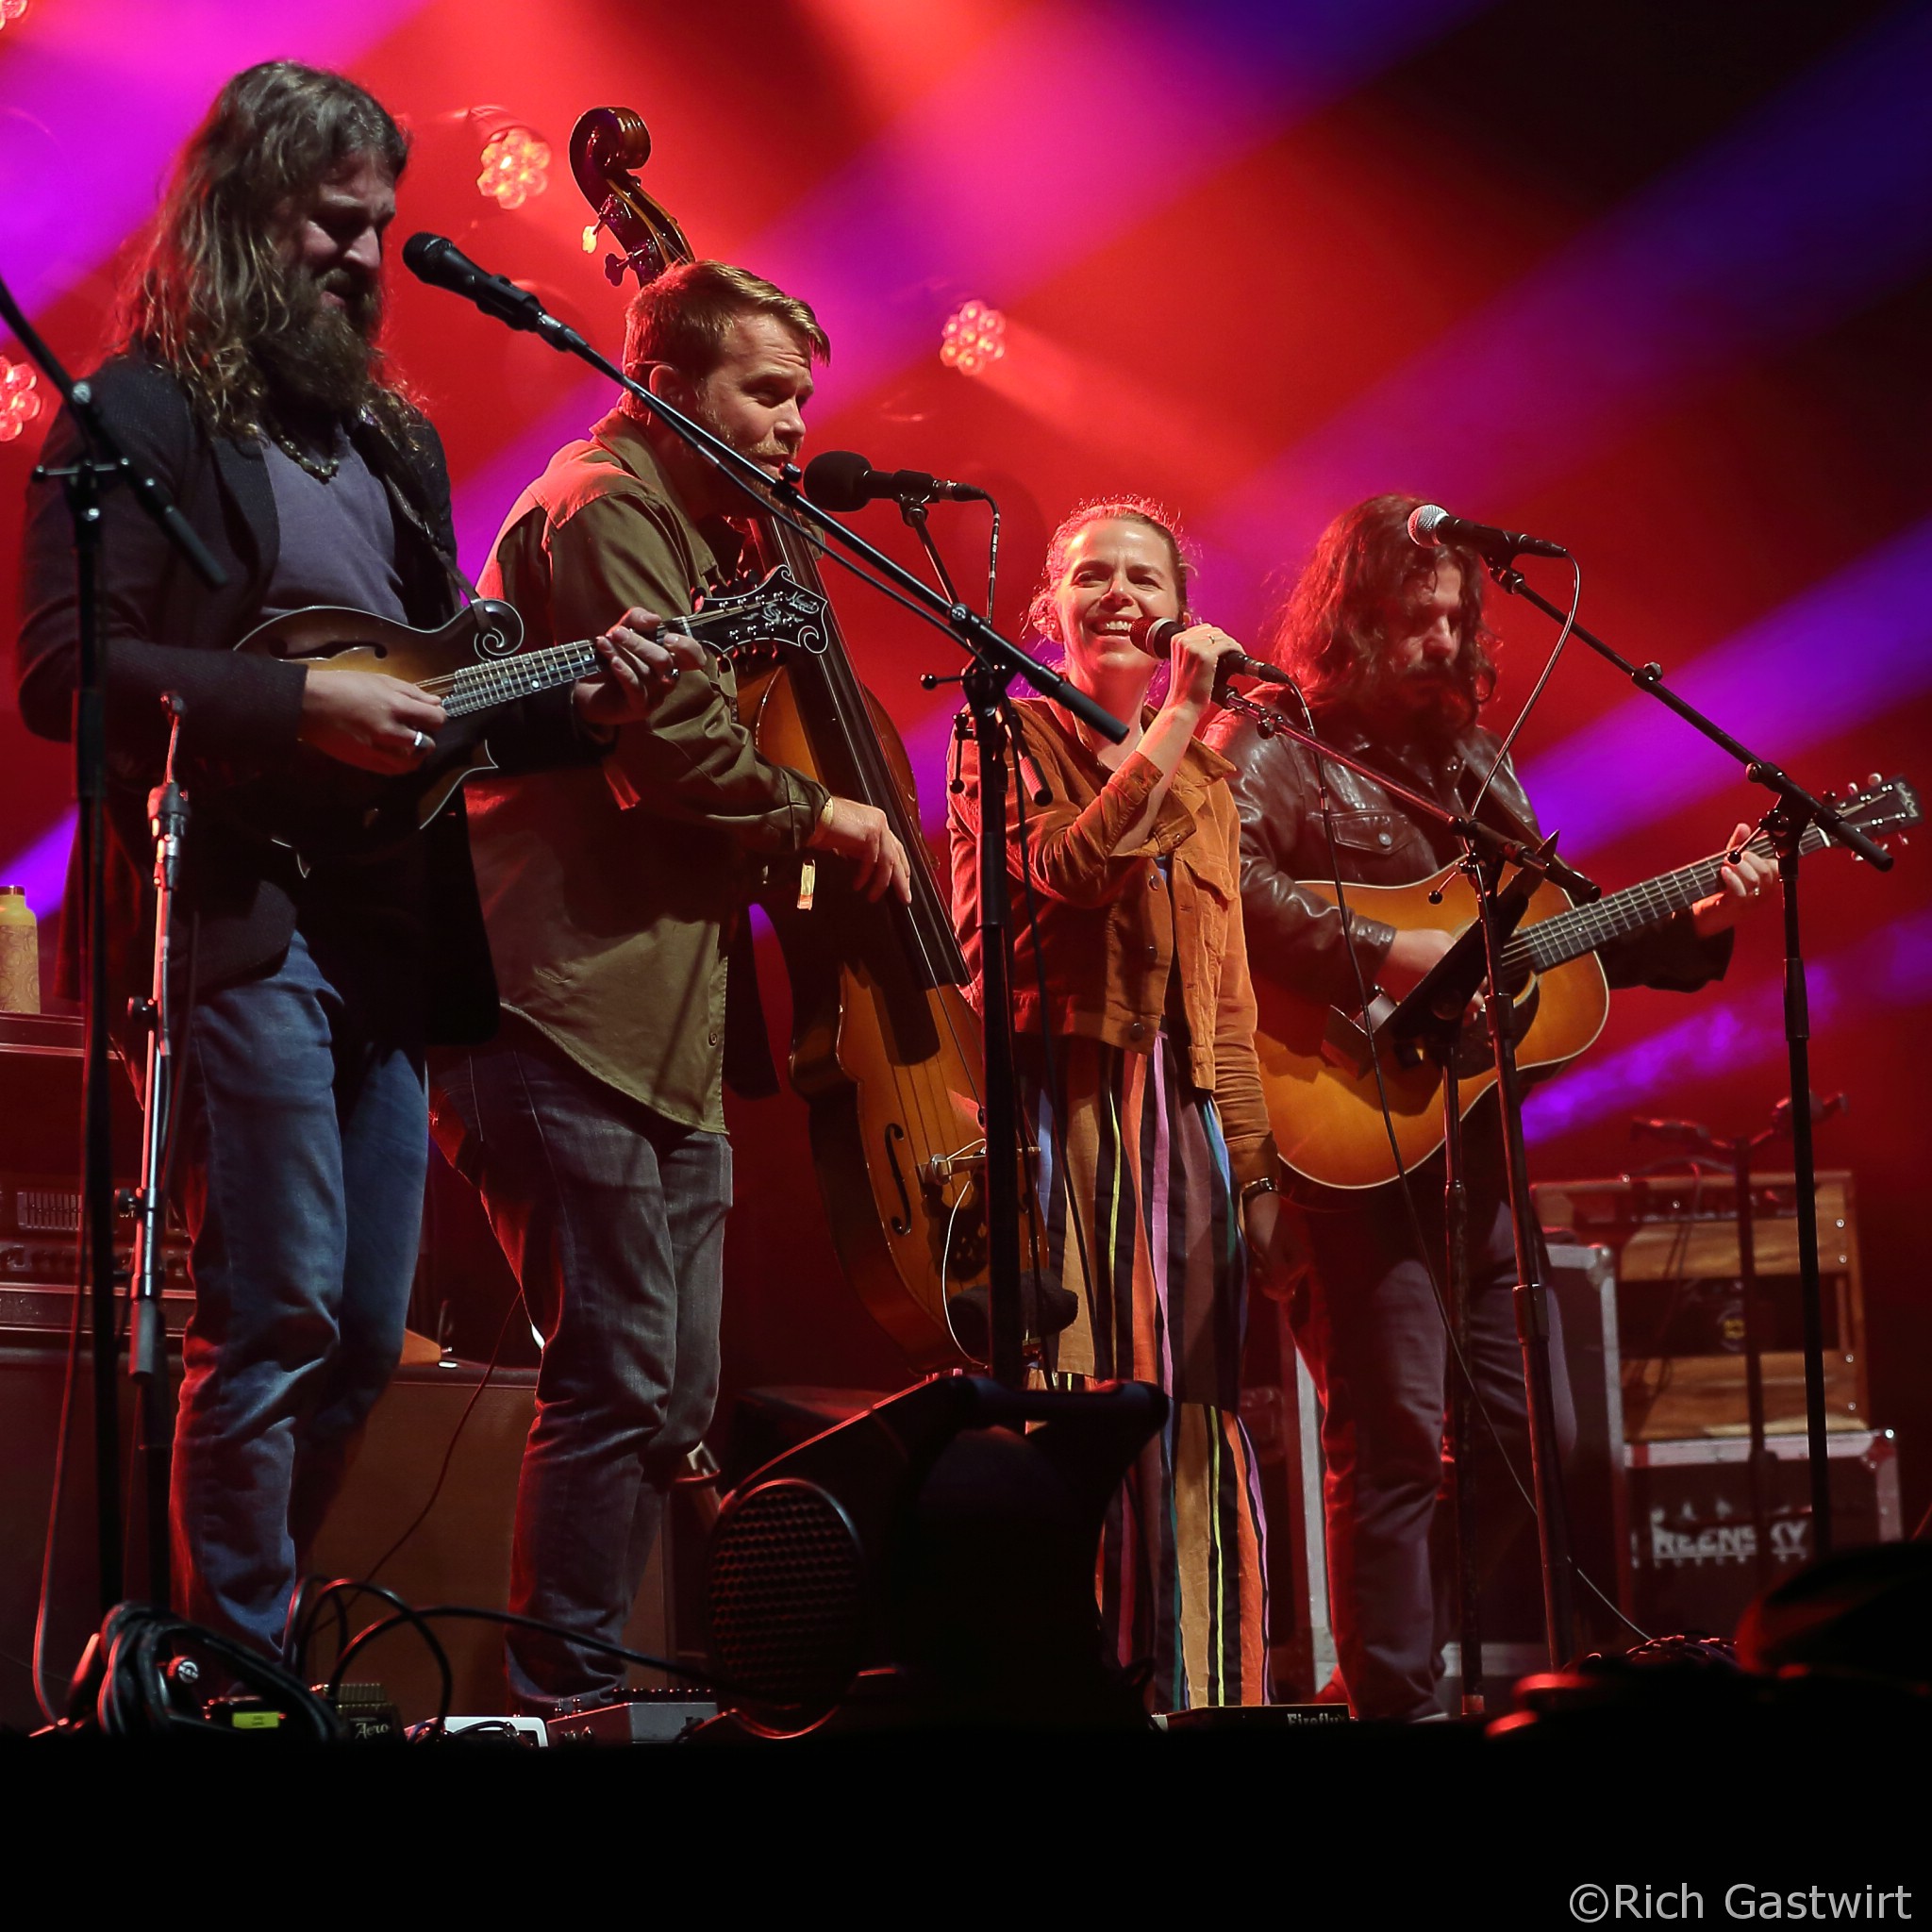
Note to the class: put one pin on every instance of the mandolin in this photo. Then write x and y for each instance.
(1317, 1064)
(327, 810)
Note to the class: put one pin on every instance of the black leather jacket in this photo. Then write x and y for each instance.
(1296, 937)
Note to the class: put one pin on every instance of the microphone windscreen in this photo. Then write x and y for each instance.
(1155, 635)
(835, 479)
(1423, 520)
(419, 253)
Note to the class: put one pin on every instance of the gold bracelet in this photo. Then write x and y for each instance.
(1264, 1186)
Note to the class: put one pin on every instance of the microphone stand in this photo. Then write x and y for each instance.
(1429, 1022)
(918, 521)
(1791, 810)
(103, 461)
(1485, 851)
(996, 662)
(147, 1328)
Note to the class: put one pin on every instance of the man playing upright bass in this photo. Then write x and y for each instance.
(593, 1124)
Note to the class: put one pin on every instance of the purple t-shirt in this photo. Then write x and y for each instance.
(338, 538)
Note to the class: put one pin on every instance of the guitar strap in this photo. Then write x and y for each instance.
(462, 590)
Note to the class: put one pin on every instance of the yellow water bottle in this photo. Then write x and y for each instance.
(19, 952)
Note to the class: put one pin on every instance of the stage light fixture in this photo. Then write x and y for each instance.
(19, 402)
(974, 339)
(516, 165)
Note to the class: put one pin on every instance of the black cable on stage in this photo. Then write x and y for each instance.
(50, 1544)
(339, 1593)
(512, 1620)
(124, 1687)
(422, 1515)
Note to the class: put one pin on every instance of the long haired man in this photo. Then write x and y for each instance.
(247, 376)
(1387, 641)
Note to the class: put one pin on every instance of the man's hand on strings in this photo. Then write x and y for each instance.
(363, 719)
(1745, 876)
(639, 661)
(864, 834)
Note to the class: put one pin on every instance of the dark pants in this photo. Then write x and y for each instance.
(305, 1141)
(614, 1220)
(1369, 1328)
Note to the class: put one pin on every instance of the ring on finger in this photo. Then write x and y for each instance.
(418, 743)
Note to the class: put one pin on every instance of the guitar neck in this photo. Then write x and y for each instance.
(1570, 935)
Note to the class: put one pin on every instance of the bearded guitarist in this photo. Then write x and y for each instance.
(1387, 639)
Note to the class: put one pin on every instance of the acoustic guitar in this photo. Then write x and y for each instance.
(327, 810)
(1317, 1063)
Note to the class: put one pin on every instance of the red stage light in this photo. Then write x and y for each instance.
(515, 165)
(10, 10)
(974, 339)
(19, 405)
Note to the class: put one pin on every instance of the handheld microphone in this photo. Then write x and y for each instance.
(437, 260)
(842, 480)
(1155, 636)
(1430, 525)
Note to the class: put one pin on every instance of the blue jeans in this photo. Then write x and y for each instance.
(305, 1143)
(613, 1219)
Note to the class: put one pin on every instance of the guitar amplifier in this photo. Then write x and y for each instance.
(40, 1191)
(1694, 1547)
(1680, 1301)
(40, 1255)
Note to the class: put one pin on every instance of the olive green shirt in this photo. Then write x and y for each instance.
(611, 891)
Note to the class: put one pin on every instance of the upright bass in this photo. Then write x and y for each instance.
(885, 1049)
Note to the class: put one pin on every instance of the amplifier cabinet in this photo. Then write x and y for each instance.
(1680, 1301)
(460, 1553)
(1694, 1549)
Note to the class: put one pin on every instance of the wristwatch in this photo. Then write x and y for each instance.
(1264, 1186)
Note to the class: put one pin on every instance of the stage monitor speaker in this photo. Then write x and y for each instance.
(930, 1560)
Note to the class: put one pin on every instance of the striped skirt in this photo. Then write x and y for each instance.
(1139, 1220)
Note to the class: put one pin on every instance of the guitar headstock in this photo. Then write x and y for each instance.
(776, 611)
(1882, 809)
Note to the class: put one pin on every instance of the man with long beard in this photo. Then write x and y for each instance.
(247, 378)
(1387, 640)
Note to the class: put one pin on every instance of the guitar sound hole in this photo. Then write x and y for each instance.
(1473, 1055)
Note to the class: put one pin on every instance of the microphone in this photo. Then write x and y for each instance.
(1155, 636)
(842, 480)
(437, 260)
(1430, 525)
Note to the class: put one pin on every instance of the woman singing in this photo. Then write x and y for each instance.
(1134, 1022)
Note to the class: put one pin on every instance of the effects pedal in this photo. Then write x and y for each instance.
(640, 1716)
